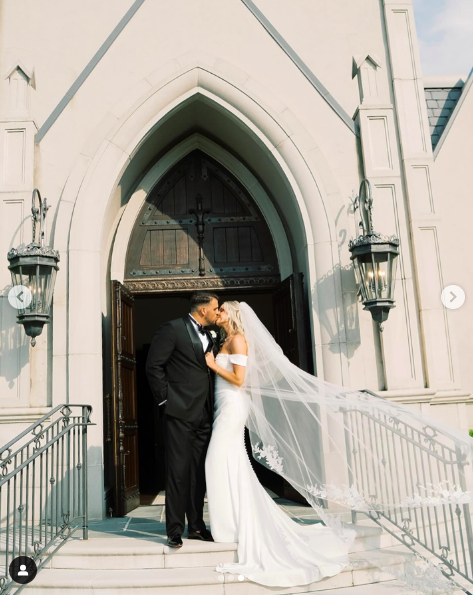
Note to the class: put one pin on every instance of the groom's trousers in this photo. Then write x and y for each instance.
(186, 444)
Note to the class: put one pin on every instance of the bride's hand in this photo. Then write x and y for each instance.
(210, 359)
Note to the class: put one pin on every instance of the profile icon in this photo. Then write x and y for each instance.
(22, 570)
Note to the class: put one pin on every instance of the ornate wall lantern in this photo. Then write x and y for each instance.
(35, 267)
(374, 259)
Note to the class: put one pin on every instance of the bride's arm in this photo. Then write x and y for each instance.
(237, 377)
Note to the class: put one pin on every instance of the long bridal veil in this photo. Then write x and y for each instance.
(350, 451)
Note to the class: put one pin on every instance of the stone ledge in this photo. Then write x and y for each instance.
(446, 397)
(22, 414)
(426, 395)
(408, 395)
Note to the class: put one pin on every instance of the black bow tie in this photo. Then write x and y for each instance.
(200, 328)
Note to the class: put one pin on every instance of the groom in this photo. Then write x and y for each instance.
(183, 384)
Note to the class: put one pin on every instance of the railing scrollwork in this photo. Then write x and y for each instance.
(43, 488)
(434, 520)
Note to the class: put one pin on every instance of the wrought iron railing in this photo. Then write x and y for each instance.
(417, 458)
(43, 488)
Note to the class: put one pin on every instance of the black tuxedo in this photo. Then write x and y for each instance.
(177, 371)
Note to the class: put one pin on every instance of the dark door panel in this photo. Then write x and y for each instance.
(291, 321)
(124, 402)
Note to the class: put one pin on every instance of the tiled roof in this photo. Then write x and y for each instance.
(441, 102)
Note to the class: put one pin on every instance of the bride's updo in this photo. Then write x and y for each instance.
(233, 310)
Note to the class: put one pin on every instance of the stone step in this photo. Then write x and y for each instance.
(128, 553)
(131, 553)
(442, 531)
(386, 588)
(179, 581)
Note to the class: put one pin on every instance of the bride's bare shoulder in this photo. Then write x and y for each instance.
(238, 344)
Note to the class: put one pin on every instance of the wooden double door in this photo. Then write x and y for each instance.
(198, 229)
(291, 331)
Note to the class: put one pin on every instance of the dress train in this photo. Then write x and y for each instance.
(273, 549)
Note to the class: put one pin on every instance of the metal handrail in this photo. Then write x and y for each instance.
(56, 478)
(445, 529)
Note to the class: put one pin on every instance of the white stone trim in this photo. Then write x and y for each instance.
(10, 415)
(87, 70)
(300, 64)
(28, 71)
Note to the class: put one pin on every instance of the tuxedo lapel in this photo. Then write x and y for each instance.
(211, 345)
(214, 345)
(196, 342)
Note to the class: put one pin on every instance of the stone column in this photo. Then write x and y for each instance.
(23, 370)
(440, 365)
(400, 340)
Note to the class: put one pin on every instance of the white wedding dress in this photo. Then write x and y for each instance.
(273, 549)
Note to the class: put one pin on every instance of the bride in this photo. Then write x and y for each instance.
(342, 449)
(273, 549)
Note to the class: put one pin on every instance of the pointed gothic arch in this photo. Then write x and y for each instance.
(200, 227)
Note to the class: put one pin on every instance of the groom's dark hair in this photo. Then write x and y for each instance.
(201, 298)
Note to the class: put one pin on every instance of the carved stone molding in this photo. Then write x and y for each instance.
(194, 284)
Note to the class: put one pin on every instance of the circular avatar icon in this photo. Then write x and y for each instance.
(22, 570)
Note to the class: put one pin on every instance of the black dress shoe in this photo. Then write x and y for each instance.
(204, 535)
(174, 541)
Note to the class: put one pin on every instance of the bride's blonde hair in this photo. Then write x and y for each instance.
(236, 326)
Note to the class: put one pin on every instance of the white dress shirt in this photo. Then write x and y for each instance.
(204, 339)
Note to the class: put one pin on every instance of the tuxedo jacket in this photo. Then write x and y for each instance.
(177, 370)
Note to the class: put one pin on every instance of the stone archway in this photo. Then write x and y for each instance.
(97, 186)
(255, 193)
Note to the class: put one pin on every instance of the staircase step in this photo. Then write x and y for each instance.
(368, 537)
(132, 553)
(178, 581)
(129, 553)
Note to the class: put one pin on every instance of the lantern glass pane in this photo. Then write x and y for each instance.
(43, 279)
(28, 279)
(359, 279)
(51, 278)
(392, 273)
(366, 265)
(376, 272)
(15, 276)
(381, 276)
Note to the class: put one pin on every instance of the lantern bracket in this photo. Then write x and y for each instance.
(376, 246)
(38, 215)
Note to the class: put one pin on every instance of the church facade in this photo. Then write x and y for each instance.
(220, 145)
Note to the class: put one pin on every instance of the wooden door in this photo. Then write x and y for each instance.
(292, 332)
(124, 402)
(291, 321)
(200, 228)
